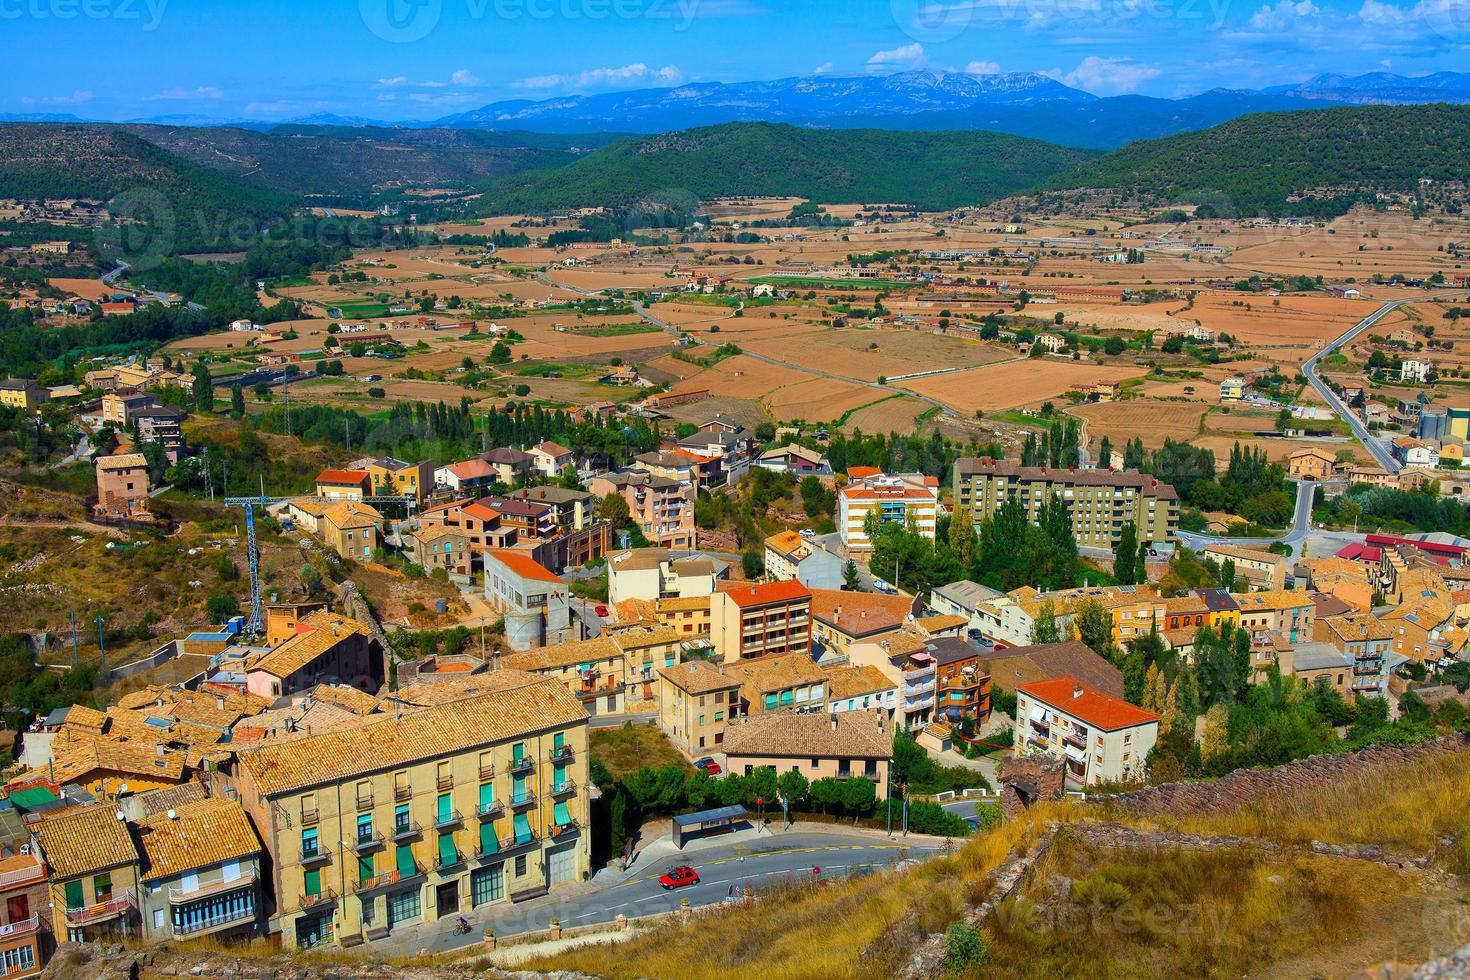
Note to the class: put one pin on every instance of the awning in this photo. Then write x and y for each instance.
(1038, 713)
(1074, 752)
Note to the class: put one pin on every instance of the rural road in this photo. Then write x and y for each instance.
(1295, 536)
(1374, 445)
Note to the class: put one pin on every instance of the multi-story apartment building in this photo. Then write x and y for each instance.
(94, 873)
(571, 510)
(1368, 641)
(904, 657)
(403, 819)
(396, 478)
(962, 684)
(1102, 739)
(652, 574)
(26, 937)
(790, 681)
(696, 701)
(164, 426)
(748, 621)
(860, 687)
(122, 486)
(595, 671)
(909, 499)
(1100, 502)
(350, 485)
(1277, 610)
(662, 508)
(21, 393)
(1260, 568)
(533, 600)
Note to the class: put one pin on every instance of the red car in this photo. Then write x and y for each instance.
(712, 767)
(679, 877)
(601, 611)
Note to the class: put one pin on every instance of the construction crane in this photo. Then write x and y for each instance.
(256, 623)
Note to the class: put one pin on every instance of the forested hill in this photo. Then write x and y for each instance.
(931, 170)
(1255, 165)
(51, 161)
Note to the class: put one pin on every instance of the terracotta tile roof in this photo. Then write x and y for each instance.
(1273, 599)
(428, 535)
(683, 603)
(563, 655)
(82, 717)
(523, 566)
(343, 696)
(80, 762)
(1246, 554)
(646, 636)
(200, 835)
(382, 742)
(85, 839)
(862, 472)
(123, 461)
(635, 611)
(767, 674)
(551, 449)
(847, 734)
(1009, 669)
(786, 542)
(171, 797)
(1086, 703)
(342, 477)
(826, 601)
(699, 677)
(934, 624)
(849, 681)
(352, 515)
(748, 596)
(472, 469)
(427, 694)
(327, 630)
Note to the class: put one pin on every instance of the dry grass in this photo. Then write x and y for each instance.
(631, 747)
(1198, 914)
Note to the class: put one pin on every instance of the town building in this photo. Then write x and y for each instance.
(122, 487)
(354, 531)
(94, 867)
(594, 671)
(326, 649)
(860, 687)
(1311, 463)
(27, 926)
(1100, 738)
(1009, 669)
(962, 684)
(470, 475)
(845, 745)
(533, 600)
(441, 547)
(119, 407)
(404, 819)
(162, 426)
(748, 621)
(395, 478)
(1415, 370)
(1259, 567)
(653, 574)
(796, 460)
(909, 500)
(1277, 610)
(786, 681)
(511, 465)
(21, 393)
(791, 557)
(1232, 389)
(201, 872)
(1100, 502)
(549, 459)
(348, 485)
(662, 508)
(571, 510)
(696, 701)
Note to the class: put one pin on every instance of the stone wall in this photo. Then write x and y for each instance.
(1246, 786)
(1029, 779)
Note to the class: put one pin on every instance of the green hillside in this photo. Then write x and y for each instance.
(1254, 164)
(932, 170)
(41, 160)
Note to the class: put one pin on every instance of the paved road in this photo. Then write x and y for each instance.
(1295, 536)
(725, 867)
(1374, 445)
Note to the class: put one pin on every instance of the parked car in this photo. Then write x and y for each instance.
(601, 610)
(884, 587)
(678, 877)
(708, 760)
(712, 767)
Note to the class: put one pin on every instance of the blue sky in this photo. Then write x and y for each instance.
(421, 59)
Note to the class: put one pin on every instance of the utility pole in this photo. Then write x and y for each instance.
(75, 657)
(102, 646)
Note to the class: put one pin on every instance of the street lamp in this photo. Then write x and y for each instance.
(102, 647)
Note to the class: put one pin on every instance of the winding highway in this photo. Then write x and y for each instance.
(1373, 444)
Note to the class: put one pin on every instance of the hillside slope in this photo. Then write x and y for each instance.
(1255, 164)
(44, 160)
(932, 170)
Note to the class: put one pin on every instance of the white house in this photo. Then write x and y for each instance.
(241, 326)
(1412, 370)
(1101, 738)
(549, 459)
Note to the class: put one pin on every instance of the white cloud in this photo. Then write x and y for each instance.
(180, 94)
(1284, 15)
(1378, 14)
(1109, 76)
(908, 56)
(823, 68)
(464, 77)
(434, 84)
(393, 82)
(634, 74)
(76, 98)
(983, 68)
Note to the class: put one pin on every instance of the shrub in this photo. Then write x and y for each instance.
(964, 948)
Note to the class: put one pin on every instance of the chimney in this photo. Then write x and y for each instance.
(159, 750)
(1076, 691)
(834, 722)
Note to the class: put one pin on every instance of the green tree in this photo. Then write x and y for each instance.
(614, 510)
(203, 387)
(752, 563)
(221, 607)
(1046, 629)
(850, 580)
(237, 401)
(793, 786)
(1125, 555)
(1095, 628)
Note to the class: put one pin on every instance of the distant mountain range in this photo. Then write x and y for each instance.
(1017, 103)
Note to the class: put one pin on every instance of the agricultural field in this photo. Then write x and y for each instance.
(1151, 421)
(1020, 384)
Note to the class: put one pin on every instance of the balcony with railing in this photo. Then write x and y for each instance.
(447, 818)
(445, 783)
(178, 896)
(386, 880)
(220, 918)
(321, 899)
(443, 862)
(111, 908)
(401, 793)
(365, 801)
(314, 854)
(562, 831)
(489, 809)
(370, 841)
(562, 753)
(487, 772)
(511, 842)
(404, 829)
(20, 929)
(523, 764)
(567, 787)
(21, 876)
(1075, 738)
(523, 801)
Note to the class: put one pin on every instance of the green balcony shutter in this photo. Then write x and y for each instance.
(446, 850)
(365, 867)
(488, 842)
(487, 795)
(523, 828)
(405, 861)
(558, 740)
(74, 899)
(559, 780)
(444, 807)
(519, 789)
(770, 700)
(518, 751)
(312, 881)
(562, 816)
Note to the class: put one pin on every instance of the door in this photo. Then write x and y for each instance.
(561, 865)
(446, 898)
(17, 908)
(403, 907)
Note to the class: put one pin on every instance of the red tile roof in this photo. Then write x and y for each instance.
(522, 565)
(746, 596)
(343, 477)
(862, 472)
(1091, 706)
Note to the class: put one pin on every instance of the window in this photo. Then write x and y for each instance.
(74, 897)
(814, 762)
(365, 868)
(448, 855)
(308, 807)
(487, 885)
(401, 820)
(364, 828)
(311, 881)
(521, 866)
(309, 842)
(102, 888)
(522, 825)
